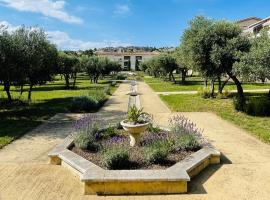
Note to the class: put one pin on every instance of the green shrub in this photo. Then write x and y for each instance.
(157, 152)
(99, 96)
(113, 83)
(83, 140)
(186, 142)
(109, 132)
(116, 158)
(84, 104)
(258, 107)
(120, 77)
(205, 92)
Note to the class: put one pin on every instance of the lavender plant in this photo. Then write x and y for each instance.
(179, 124)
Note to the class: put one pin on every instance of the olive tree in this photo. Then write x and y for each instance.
(255, 64)
(214, 47)
(26, 57)
(68, 66)
(96, 67)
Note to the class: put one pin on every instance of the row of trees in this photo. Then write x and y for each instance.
(28, 58)
(164, 65)
(219, 52)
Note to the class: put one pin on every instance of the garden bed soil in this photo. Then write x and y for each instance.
(136, 154)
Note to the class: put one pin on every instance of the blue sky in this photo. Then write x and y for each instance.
(84, 24)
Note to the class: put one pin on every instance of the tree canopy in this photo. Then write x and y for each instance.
(213, 47)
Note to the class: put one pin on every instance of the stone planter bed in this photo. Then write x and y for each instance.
(166, 179)
(137, 160)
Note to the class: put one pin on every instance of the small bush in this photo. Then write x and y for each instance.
(157, 152)
(120, 77)
(84, 104)
(186, 142)
(84, 141)
(258, 107)
(205, 92)
(99, 96)
(116, 158)
(113, 83)
(109, 132)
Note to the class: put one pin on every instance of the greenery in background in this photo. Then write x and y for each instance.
(258, 106)
(116, 158)
(212, 48)
(88, 103)
(194, 84)
(96, 67)
(47, 100)
(259, 126)
(68, 66)
(255, 64)
(26, 57)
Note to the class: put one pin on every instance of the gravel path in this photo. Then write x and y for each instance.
(243, 174)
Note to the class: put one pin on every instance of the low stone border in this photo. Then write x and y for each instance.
(118, 182)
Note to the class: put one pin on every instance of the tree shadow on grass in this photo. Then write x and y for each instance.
(16, 120)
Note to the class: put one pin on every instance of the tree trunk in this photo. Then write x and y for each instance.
(21, 90)
(74, 80)
(7, 89)
(205, 82)
(212, 87)
(184, 75)
(67, 80)
(219, 85)
(223, 85)
(30, 92)
(240, 92)
(172, 77)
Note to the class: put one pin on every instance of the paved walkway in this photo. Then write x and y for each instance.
(243, 174)
(195, 92)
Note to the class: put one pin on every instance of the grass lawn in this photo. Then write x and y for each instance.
(47, 100)
(193, 84)
(258, 126)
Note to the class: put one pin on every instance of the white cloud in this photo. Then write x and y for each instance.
(7, 26)
(49, 8)
(122, 9)
(65, 42)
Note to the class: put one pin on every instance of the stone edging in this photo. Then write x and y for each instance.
(99, 181)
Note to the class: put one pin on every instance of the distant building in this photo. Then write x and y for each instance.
(253, 29)
(245, 23)
(128, 60)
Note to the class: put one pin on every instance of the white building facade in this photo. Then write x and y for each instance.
(129, 60)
